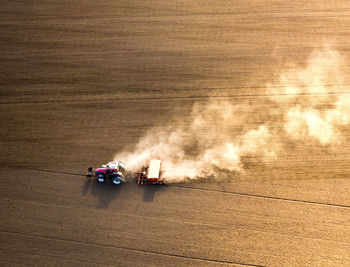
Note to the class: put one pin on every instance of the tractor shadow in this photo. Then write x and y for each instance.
(151, 190)
(104, 192)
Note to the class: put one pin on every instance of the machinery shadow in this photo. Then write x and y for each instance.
(104, 192)
(151, 190)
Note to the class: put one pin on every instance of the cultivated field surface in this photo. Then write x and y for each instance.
(246, 102)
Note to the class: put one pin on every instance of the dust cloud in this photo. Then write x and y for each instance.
(316, 102)
(312, 105)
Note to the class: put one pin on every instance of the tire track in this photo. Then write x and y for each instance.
(55, 172)
(129, 249)
(49, 256)
(111, 91)
(222, 226)
(186, 98)
(224, 192)
(264, 197)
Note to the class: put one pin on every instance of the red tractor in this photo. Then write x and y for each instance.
(113, 172)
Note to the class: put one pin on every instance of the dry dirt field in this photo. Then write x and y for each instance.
(83, 81)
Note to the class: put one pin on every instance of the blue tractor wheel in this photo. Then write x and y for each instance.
(100, 178)
(117, 180)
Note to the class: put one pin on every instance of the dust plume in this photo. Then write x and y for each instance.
(209, 145)
(311, 106)
(315, 103)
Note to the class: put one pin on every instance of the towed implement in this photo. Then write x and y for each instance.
(151, 174)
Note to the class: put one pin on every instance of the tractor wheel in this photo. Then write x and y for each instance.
(100, 178)
(117, 180)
